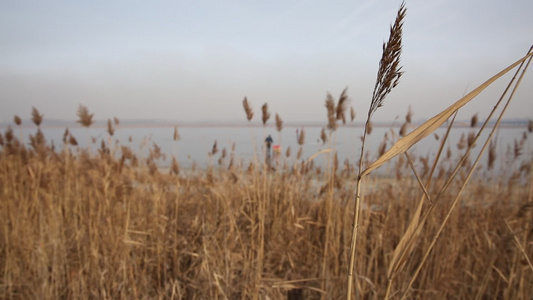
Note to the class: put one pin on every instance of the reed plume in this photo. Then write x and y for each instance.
(473, 121)
(176, 134)
(214, 150)
(389, 71)
(9, 134)
(403, 129)
(247, 109)
(331, 111)
(518, 147)
(265, 113)
(17, 120)
(462, 142)
(382, 148)
(492, 155)
(530, 126)
(279, 123)
(342, 106)
(110, 128)
(301, 137)
(323, 136)
(85, 118)
(409, 115)
(72, 140)
(36, 117)
(65, 136)
(352, 113)
(288, 152)
(471, 139)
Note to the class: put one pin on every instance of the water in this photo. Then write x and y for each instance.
(196, 142)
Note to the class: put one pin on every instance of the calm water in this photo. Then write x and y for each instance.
(196, 142)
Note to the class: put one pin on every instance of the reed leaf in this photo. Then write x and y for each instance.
(432, 124)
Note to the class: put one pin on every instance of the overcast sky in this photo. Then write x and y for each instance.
(196, 60)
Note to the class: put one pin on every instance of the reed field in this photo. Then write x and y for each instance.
(102, 222)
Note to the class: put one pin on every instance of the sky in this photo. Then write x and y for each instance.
(195, 61)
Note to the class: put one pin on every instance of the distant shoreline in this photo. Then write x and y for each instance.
(101, 125)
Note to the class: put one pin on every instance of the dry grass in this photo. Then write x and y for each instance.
(77, 225)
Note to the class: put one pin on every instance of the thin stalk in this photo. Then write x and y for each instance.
(356, 215)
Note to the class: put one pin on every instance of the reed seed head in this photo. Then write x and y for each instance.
(492, 154)
(174, 167)
(265, 113)
(72, 140)
(17, 120)
(279, 123)
(36, 117)
(110, 128)
(342, 106)
(214, 150)
(462, 142)
(473, 121)
(382, 148)
(323, 136)
(176, 134)
(85, 118)
(530, 126)
(403, 129)
(9, 134)
(352, 113)
(471, 139)
(409, 115)
(389, 71)
(247, 109)
(330, 107)
(301, 137)
(518, 147)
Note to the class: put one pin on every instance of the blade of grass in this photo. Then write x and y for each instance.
(432, 124)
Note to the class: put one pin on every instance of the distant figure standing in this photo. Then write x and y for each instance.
(268, 142)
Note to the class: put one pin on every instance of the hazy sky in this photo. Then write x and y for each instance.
(196, 60)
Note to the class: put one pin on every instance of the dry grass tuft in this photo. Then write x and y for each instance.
(80, 223)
